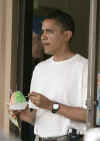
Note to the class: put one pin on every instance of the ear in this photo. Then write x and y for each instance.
(68, 35)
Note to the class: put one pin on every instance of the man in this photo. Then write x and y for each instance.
(59, 84)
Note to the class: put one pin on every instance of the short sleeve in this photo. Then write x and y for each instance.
(34, 79)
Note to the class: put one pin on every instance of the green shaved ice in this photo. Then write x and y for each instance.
(20, 97)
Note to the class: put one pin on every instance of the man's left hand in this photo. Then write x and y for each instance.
(40, 100)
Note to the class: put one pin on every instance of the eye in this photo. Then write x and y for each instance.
(49, 31)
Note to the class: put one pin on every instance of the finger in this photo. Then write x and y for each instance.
(34, 98)
(17, 112)
(31, 94)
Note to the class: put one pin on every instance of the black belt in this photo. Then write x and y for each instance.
(42, 139)
(52, 138)
(77, 138)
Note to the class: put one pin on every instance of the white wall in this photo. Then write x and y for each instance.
(5, 60)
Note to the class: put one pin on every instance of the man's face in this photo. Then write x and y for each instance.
(53, 37)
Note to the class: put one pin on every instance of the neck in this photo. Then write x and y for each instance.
(65, 54)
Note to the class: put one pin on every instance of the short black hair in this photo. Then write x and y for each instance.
(65, 20)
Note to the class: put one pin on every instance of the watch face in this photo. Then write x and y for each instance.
(55, 107)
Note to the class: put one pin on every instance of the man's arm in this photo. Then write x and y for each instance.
(28, 116)
(24, 115)
(73, 113)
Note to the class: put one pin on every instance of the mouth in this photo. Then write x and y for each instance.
(46, 44)
(46, 47)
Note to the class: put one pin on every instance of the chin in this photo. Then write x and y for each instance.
(48, 52)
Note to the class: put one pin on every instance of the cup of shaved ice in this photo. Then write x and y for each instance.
(17, 101)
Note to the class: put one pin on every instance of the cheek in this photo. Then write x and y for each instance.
(53, 39)
(56, 40)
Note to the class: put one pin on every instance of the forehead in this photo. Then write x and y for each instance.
(50, 23)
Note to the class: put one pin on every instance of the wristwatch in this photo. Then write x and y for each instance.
(55, 107)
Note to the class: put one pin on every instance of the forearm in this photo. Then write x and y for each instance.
(33, 117)
(73, 113)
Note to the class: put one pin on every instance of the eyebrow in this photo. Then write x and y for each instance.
(47, 30)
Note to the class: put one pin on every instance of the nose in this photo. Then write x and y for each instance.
(43, 36)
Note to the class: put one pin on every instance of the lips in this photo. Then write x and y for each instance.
(46, 44)
(46, 47)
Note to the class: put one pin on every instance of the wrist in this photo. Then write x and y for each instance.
(50, 106)
(54, 107)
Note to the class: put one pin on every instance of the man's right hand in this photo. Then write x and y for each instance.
(25, 115)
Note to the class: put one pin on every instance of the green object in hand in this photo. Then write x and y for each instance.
(19, 97)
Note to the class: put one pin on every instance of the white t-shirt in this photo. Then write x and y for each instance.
(64, 82)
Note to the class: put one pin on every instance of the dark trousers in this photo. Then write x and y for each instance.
(27, 132)
(77, 138)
